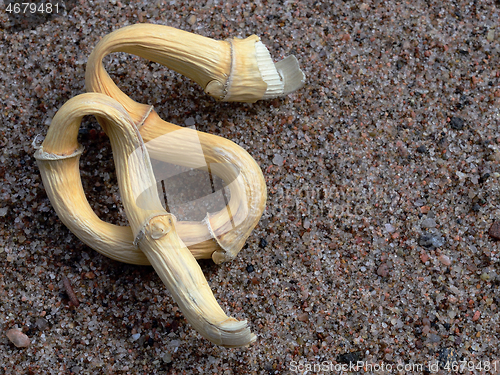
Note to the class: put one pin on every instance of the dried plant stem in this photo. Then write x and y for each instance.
(153, 228)
(234, 70)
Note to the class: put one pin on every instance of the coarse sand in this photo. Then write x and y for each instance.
(378, 242)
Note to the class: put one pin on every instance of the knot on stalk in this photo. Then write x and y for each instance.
(156, 227)
(159, 228)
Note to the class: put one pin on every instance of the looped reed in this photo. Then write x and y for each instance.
(235, 70)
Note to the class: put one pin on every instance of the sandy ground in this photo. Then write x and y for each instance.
(382, 176)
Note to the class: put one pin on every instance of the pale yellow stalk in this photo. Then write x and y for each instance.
(234, 70)
(153, 228)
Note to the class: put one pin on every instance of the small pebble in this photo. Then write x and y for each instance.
(303, 317)
(262, 243)
(69, 291)
(422, 149)
(484, 178)
(428, 223)
(191, 20)
(389, 228)
(167, 357)
(190, 121)
(250, 268)
(476, 316)
(494, 231)
(278, 160)
(136, 336)
(419, 202)
(457, 123)
(425, 240)
(402, 150)
(438, 241)
(42, 324)
(485, 276)
(383, 270)
(424, 209)
(491, 35)
(304, 294)
(430, 240)
(352, 357)
(19, 339)
(444, 259)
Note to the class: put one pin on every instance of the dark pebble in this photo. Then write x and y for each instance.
(350, 357)
(42, 324)
(457, 123)
(250, 268)
(262, 243)
(494, 231)
(430, 241)
(422, 149)
(425, 240)
(484, 178)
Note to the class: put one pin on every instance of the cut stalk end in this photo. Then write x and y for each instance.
(254, 76)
